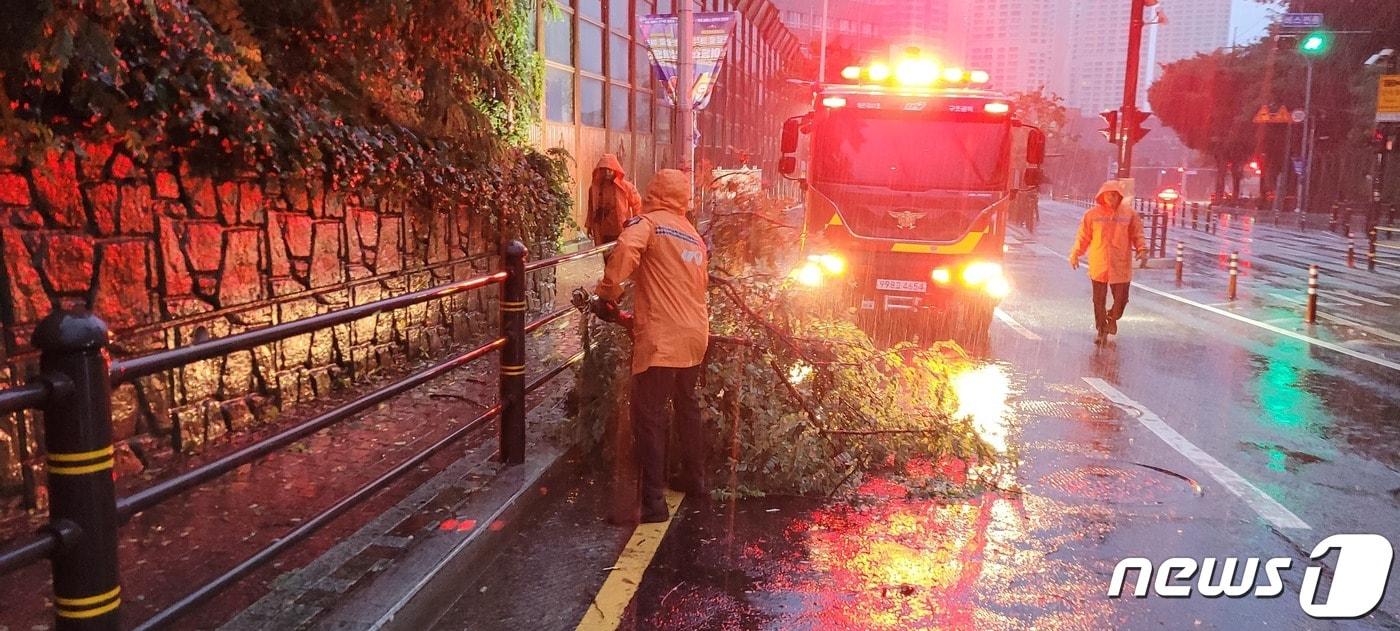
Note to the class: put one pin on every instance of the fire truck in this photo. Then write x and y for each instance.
(909, 171)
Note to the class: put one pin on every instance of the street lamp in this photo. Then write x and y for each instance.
(1312, 46)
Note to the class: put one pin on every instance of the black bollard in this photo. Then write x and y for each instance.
(82, 496)
(512, 358)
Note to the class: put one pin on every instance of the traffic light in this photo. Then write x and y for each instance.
(1315, 43)
(1111, 132)
(1135, 129)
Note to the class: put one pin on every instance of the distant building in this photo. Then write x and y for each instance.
(601, 95)
(850, 24)
(1193, 27)
(1019, 42)
(1097, 46)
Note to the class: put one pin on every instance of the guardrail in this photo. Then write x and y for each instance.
(73, 391)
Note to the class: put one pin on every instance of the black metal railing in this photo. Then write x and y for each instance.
(73, 392)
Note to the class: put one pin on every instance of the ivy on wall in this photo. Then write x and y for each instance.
(429, 100)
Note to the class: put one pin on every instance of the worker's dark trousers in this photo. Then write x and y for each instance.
(650, 392)
(1120, 300)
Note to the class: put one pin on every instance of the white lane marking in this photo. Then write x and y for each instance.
(1361, 327)
(1363, 298)
(1326, 302)
(1267, 507)
(1015, 326)
(1273, 329)
(1044, 250)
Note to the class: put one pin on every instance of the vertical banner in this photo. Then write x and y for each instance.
(712, 34)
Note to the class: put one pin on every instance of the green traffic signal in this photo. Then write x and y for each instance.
(1315, 43)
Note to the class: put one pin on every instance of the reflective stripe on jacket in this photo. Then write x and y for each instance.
(668, 262)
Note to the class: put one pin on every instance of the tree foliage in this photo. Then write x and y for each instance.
(430, 99)
(1210, 99)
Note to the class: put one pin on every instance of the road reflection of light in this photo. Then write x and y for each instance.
(982, 392)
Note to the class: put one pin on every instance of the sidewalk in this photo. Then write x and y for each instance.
(172, 549)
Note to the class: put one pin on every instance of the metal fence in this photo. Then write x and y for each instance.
(73, 391)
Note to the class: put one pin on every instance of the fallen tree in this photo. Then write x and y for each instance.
(798, 400)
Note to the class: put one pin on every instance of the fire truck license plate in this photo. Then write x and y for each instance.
(885, 284)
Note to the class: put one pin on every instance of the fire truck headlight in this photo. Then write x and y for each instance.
(877, 72)
(978, 274)
(809, 275)
(997, 287)
(830, 263)
(941, 275)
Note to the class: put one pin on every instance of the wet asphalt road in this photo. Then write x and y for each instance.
(1288, 441)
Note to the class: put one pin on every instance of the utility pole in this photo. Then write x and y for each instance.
(1128, 116)
(684, 145)
(1307, 148)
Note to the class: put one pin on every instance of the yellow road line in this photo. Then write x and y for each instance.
(605, 613)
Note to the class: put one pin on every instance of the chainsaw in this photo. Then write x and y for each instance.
(606, 310)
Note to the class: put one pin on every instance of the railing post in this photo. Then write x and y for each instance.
(512, 395)
(78, 441)
(1351, 249)
(1195, 212)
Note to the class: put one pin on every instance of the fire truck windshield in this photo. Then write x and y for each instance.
(903, 152)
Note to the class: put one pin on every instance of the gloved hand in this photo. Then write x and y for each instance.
(1142, 257)
(1073, 262)
(608, 311)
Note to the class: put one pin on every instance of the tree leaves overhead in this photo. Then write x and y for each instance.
(411, 96)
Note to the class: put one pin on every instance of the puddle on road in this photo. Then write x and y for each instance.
(1128, 485)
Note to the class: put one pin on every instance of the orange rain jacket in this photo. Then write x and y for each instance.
(607, 216)
(666, 257)
(1110, 236)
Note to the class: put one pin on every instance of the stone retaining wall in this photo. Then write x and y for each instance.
(169, 258)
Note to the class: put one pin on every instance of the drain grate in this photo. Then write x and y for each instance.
(1081, 410)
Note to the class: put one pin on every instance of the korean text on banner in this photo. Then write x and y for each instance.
(712, 34)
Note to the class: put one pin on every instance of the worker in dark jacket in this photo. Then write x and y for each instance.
(667, 260)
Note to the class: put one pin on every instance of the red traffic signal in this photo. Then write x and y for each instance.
(1111, 132)
(1135, 129)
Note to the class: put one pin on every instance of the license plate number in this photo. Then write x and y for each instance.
(885, 284)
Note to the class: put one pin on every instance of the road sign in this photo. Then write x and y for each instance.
(1388, 100)
(1281, 116)
(1301, 20)
(1299, 115)
(1298, 166)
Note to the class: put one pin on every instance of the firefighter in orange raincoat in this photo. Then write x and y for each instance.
(1111, 234)
(612, 200)
(668, 261)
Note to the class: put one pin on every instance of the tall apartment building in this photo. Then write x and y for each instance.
(1097, 46)
(1019, 42)
(853, 24)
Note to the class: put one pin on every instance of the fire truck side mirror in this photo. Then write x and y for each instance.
(787, 165)
(791, 128)
(1032, 177)
(1035, 147)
